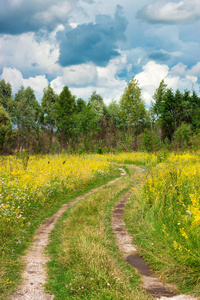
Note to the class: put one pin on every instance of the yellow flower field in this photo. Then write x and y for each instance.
(24, 190)
(138, 158)
(170, 198)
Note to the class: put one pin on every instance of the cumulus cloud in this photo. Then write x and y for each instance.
(84, 79)
(150, 78)
(108, 76)
(80, 75)
(30, 56)
(180, 69)
(108, 84)
(95, 43)
(168, 12)
(15, 78)
(178, 77)
(18, 16)
(195, 70)
(107, 93)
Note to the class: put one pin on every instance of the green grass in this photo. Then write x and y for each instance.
(85, 260)
(11, 266)
(145, 223)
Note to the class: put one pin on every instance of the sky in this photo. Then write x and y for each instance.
(99, 45)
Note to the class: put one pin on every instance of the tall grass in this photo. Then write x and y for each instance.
(31, 191)
(164, 217)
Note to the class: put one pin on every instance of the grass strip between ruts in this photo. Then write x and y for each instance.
(85, 260)
(11, 266)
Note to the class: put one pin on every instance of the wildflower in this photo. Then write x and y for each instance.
(183, 233)
(175, 245)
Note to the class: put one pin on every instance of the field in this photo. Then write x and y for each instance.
(163, 216)
(33, 188)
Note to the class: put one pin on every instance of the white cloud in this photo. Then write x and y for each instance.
(55, 12)
(107, 76)
(107, 93)
(15, 78)
(26, 54)
(80, 75)
(37, 83)
(86, 78)
(163, 11)
(195, 70)
(179, 69)
(152, 74)
(57, 84)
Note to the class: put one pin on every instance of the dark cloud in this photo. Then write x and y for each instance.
(159, 56)
(17, 17)
(95, 43)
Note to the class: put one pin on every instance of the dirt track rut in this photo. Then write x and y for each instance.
(34, 276)
(130, 253)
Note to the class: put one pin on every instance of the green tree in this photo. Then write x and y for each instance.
(167, 115)
(80, 105)
(97, 106)
(48, 108)
(24, 110)
(5, 93)
(158, 98)
(65, 113)
(115, 113)
(133, 108)
(195, 110)
(5, 127)
(177, 109)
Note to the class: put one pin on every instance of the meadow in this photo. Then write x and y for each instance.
(163, 215)
(164, 219)
(32, 188)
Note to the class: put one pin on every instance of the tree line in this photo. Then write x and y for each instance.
(66, 123)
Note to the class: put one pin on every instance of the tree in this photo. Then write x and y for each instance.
(167, 115)
(65, 113)
(48, 108)
(159, 98)
(195, 110)
(133, 108)
(5, 93)
(114, 113)
(80, 105)
(24, 110)
(97, 105)
(5, 127)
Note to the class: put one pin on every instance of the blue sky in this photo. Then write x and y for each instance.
(99, 45)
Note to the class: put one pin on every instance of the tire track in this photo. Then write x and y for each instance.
(131, 255)
(34, 276)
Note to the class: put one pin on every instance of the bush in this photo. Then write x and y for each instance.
(182, 135)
